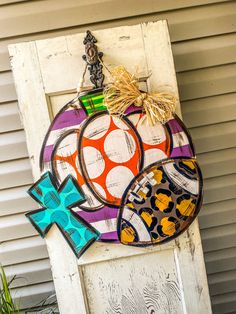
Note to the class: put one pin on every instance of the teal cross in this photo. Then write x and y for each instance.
(56, 205)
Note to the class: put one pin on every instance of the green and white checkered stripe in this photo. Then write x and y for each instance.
(93, 102)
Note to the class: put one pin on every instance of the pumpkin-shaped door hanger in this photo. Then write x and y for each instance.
(131, 156)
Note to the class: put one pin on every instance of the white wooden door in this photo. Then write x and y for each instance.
(109, 278)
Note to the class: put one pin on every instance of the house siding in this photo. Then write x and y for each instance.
(203, 36)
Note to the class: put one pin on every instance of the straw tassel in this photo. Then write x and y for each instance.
(123, 91)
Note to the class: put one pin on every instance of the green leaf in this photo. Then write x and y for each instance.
(7, 305)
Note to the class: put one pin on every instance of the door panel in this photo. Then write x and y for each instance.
(58, 100)
(140, 284)
(109, 278)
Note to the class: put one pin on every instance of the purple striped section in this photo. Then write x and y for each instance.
(104, 213)
(65, 119)
(182, 151)
(47, 154)
(110, 236)
(132, 109)
(69, 118)
(175, 127)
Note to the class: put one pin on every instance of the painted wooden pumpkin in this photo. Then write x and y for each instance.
(106, 153)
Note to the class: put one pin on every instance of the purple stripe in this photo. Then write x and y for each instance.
(109, 236)
(132, 109)
(47, 153)
(182, 151)
(175, 127)
(104, 213)
(64, 120)
(69, 118)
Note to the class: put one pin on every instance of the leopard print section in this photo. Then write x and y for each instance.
(161, 202)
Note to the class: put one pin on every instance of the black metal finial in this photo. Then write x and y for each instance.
(93, 59)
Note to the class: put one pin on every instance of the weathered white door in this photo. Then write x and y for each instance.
(109, 278)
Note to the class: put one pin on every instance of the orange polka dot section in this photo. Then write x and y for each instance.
(110, 156)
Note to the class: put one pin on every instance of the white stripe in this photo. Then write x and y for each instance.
(46, 167)
(137, 223)
(71, 108)
(189, 185)
(54, 135)
(180, 139)
(104, 226)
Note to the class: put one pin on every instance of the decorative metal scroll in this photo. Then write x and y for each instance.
(93, 59)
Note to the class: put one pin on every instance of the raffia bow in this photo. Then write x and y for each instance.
(122, 92)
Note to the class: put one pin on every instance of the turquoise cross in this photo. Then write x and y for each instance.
(56, 205)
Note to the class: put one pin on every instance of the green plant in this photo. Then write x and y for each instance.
(7, 304)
